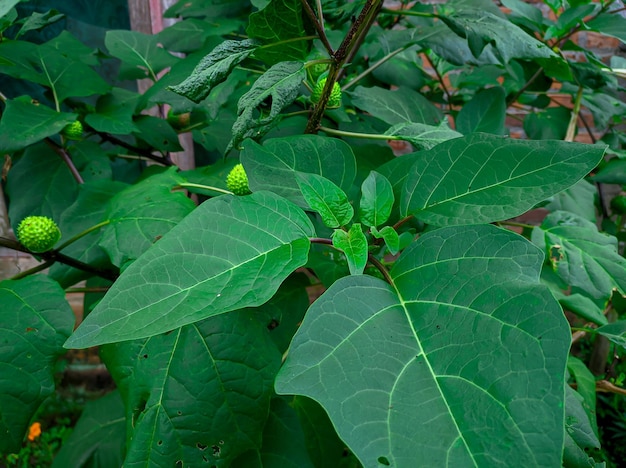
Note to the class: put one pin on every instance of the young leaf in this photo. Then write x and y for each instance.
(214, 69)
(200, 394)
(468, 344)
(581, 256)
(230, 252)
(24, 123)
(98, 437)
(354, 244)
(279, 20)
(482, 178)
(390, 236)
(326, 198)
(280, 85)
(274, 165)
(376, 200)
(35, 319)
(394, 107)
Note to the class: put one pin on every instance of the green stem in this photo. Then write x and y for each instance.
(371, 136)
(513, 223)
(318, 23)
(32, 271)
(380, 267)
(204, 187)
(82, 234)
(373, 67)
(86, 290)
(571, 128)
(409, 13)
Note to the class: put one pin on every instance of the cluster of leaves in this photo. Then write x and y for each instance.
(439, 338)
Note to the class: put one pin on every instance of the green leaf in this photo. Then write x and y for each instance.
(39, 183)
(579, 429)
(584, 258)
(88, 210)
(482, 178)
(423, 136)
(354, 244)
(214, 69)
(198, 395)
(189, 35)
(581, 306)
(530, 12)
(326, 198)
(280, 85)
(279, 21)
(578, 199)
(376, 200)
(230, 252)
(158, 133)
(394, 107)
(98, 437)
(614, 172)
(549, 124)
(468, 344)
(66, 76)
(38, 21)
(35, 319)
(616, 332)
(609, 24)
(274, 165)
(586, 387)
(24, 123)
(140, 54)
(7, 5)
(485, 112)
(283, 441)
(390, 236)
(114, 112)
(141, 214)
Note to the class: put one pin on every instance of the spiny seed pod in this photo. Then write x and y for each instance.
(618, 204)
(73, 131)
(317, 69)
(237, 181)
(38, 233)
(335, 95)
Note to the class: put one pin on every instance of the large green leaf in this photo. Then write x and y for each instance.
(140, 54)
(274, 165)
(98, 438)
(482, 178)
(35, 319)
(279, 21)
(40, 184)
(214, 69)
(65, 75)
(279, 87)
(200, 394)
(114, 112)
(460, 361)
(24, 123)
(394, 107)
(584, 258)
(609, 24)
(141, 214)
(230, 252)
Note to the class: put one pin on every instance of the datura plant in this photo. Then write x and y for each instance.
(365, 263)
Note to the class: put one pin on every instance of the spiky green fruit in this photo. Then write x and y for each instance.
(73, 131)
(618, 204)
(335, 95)
(237, 181)
(38, 233)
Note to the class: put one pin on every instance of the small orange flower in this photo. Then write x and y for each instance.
(34, 431)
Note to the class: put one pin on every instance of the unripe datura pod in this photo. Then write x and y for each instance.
(73, 131)
(38, 233)
(334, 100)
(618, 204)
(237, 180)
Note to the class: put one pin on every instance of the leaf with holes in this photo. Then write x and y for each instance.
(200, 394)
(452, 357)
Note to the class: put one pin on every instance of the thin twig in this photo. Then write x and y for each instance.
(521, 91)
(166, 161)
(318, 23)
(380, 267)
(66, 159)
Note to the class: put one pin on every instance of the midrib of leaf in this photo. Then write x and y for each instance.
(159, 404)
(141, 58)
(28, 306)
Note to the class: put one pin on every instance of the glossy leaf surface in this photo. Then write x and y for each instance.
(326, 198)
